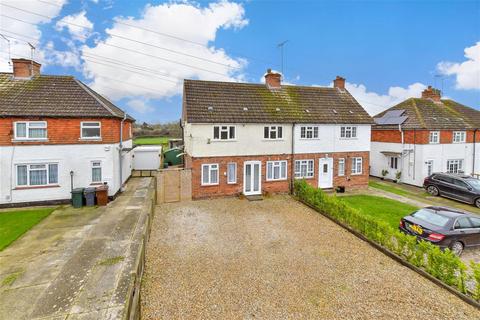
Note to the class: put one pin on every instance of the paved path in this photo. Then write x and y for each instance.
(277, 259)
(76, 263)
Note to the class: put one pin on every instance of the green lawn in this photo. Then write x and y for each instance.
(151, 140)
(386, 187)
(388, 210)
(15, 223)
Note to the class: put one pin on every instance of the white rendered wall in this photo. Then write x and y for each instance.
(76, 158)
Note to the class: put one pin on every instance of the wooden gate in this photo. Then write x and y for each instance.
(174, 185)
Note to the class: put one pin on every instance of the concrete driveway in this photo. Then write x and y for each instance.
(277, 259)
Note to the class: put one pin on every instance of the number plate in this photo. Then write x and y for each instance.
(417, 229)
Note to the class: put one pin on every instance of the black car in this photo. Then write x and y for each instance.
(445, 227)
(458, 187)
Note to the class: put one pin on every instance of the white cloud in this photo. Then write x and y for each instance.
(467, 73)
(159, 78)
(23, 31)
(140, 105)
(375, 103)
(77, 25)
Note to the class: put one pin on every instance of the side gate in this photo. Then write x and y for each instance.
(174, 185)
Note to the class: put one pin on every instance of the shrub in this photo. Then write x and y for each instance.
(443, 265)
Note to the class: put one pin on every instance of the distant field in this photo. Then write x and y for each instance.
(151, 140)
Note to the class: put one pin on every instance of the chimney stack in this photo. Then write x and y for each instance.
(432, 93)
(273, 79)
(339, 83)
(25, 68)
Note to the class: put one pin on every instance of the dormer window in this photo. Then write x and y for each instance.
(223, 132)
(30, 130)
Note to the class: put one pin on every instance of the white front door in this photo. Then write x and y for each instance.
(325, 173)
(252, 177)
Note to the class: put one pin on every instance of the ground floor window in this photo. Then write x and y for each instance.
(209, 174)
(276, 170)
(37, 174)
(232, 173)
(304, 168)
(357, 165)
(429, 167)
(455, 166)
(393, 162)
(341, 167)
(96, 171)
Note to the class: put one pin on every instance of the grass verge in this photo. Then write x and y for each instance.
(16, 222)
(151, 141)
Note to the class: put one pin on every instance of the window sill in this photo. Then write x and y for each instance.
(306, 178)
(232, 183)
(272, 140)
(226, 140)
(30, 140)
(209, 185)
(37, 187)
(309, 138)
(90, 139)
(96, 183)
(348, 138)
(276, 180)
(356, 174)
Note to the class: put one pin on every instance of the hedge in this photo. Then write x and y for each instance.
(443, 265)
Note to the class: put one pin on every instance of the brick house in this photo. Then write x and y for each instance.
(420, 136)
(243, 138)
(57, 133)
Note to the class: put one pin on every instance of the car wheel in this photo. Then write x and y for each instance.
(477, 202)
(433, 190)
(457, 248)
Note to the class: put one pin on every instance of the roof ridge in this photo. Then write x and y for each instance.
(259, 84)
(87, 89)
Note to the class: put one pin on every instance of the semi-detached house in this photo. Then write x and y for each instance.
(420, 136)
(243, 138)
(56, 134)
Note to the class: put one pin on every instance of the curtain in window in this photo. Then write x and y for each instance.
(37, 133)
(284, 170)
(22, 175)
(38, 176)
(96, 174)
(53, 173)
(21, 130)
(213, 174)
(269, 170)
(232, 172)
(205, 176)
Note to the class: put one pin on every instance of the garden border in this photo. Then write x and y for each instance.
(397, 258)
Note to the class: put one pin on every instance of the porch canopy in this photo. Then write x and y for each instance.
(391, 153)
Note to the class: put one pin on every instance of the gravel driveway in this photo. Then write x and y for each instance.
(277, 259)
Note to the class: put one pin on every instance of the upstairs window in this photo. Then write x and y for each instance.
(37, 174)
(434, 137)
(32, 130)
(273, 132)
(459, 136)
(223, 132)
(348, 132)
(91, 130)
(307, 132)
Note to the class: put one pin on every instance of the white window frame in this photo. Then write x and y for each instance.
(82, 126)
(459, 134)
(341, 167)
(430, 164)
(211, 166)
(92, 166)
(27, 130)
(305, 130)
(234, 180)
(271, 165)
(47, 169)
(305, 162)
(348, 132)
(225, 128)
(355, 164)
(273, 129)
(434, 137)
(455, 162)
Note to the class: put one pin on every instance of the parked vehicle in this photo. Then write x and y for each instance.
(458, 187)
(445, 227)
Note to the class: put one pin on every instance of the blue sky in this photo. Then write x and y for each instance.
(387, 50)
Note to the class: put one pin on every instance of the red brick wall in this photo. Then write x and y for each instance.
(65, 131)
(283, 186)
(417, 136)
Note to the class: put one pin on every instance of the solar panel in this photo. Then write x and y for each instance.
(392, 117)
(394, 113)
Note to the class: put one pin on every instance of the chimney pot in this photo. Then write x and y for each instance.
(273, 79)
(432, 93)
(339, 83)
(25, 68)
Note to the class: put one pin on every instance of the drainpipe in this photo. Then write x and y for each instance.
(120, 150)
(473, 157)
(292, 165)
(183, 141)
(403, 147)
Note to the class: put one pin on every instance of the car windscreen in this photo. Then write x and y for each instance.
(431, 217)
(475, 183)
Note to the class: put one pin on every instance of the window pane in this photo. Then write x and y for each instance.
(216, 132)
(205, 177)
(38, 177)
(273, 134)
(213, 174)
(224, 135)
(276, 172)
(22, 175)
(269, 170)
(283, 174)
(21, 130)
(37, 133)
(302, 132)
(91, 124)
(232, 173)
(354, 132)
(342, 132)
(232, 132)
(53, 173)
(315, 132)
(91, 132)
(265, 133)
(96, 174)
